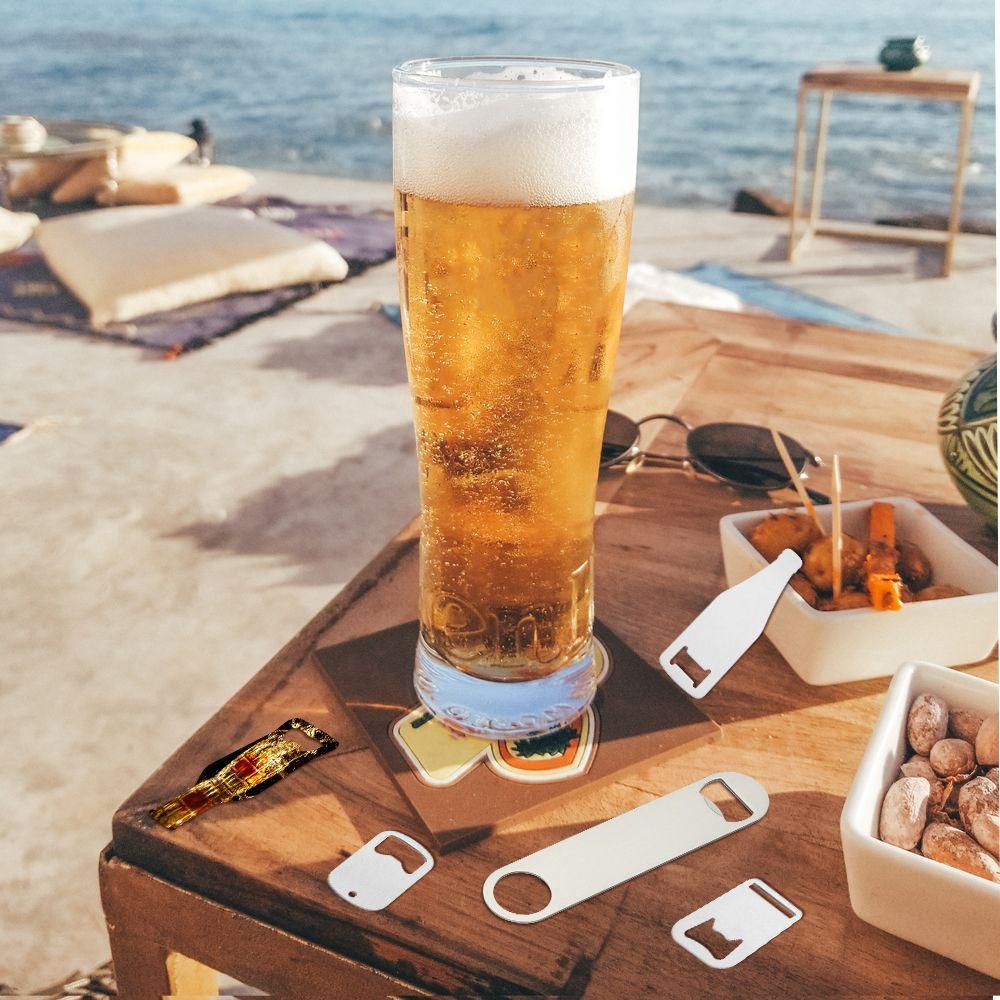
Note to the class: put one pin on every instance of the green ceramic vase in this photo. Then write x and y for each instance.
(967, 426)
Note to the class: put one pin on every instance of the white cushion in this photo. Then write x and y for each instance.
(15, 229)
(144, 151)
(184, 184)
(127, 262)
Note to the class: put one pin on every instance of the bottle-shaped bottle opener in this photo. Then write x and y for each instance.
(729, 626)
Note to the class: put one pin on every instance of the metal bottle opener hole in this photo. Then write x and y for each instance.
(612, 852)
(740, 921)
(371, 879)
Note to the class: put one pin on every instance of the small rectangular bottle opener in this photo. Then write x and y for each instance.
(749, 915)
(371, 879)
(729, 626)
(612, 852)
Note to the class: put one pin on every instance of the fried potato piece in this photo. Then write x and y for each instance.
(817, 563)
(914, 566)
(783, 531)
(940, 591)
(801, 585)
(848, 601)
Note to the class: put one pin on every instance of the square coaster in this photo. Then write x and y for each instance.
(464, 788)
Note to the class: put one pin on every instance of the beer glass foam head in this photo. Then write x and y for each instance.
(513, 132)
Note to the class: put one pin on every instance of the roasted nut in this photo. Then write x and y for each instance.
(801, 585)
(951, 758)
(904, 812)
(940, 591)
(918, 767)
(979, 808)
(952, 847)
(849, 600)
(913, 565)
(784, 531)
(994, 775)
(927, 722)
(817, 563)
(987, 752)
(964, 725)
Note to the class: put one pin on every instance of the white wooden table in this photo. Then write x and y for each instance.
(958, 85)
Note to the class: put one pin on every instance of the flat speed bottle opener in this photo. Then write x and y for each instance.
(598, 859)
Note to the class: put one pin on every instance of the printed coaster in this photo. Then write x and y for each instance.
(439, 756)
(464, 788)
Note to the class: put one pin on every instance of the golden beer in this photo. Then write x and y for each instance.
(512, 322)
(511, 312)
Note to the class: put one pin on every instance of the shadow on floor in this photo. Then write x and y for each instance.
(367, 350)
(325, 523)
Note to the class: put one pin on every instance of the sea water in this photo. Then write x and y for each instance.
(305, 84)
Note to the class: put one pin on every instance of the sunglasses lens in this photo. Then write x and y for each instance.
(621, 435)
(743, 454)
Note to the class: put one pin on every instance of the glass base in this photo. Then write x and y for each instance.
(503, 710)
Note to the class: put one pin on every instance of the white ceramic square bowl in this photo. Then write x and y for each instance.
(830, 647)
(929, 903)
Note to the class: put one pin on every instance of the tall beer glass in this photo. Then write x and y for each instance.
(514, 182)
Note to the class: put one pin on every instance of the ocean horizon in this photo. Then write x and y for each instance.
(305, 85)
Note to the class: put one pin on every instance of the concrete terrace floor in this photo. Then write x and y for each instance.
(167, 526)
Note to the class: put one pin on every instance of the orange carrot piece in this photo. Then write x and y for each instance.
(885, 592)
(882, 524)
(884, 583)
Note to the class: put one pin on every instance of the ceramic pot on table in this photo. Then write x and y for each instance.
(967, 427)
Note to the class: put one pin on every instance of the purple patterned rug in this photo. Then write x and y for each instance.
(31, 293)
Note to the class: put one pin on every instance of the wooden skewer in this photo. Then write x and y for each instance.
(837, 530)
(793, 474)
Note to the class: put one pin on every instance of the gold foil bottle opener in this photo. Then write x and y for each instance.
(244, 772)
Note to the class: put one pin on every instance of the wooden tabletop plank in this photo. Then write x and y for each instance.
(925, 82)
(658, 562)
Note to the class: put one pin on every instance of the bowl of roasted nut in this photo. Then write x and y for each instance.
(921, 824)
(910, 588)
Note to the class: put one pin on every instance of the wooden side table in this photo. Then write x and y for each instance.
(958, 85)
(243, 888)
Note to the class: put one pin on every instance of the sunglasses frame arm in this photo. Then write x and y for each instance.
(652, 457)
(663, 461)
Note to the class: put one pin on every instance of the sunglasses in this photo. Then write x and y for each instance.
(741, 455)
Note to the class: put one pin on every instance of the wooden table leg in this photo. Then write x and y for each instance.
(819, 161)
(797, 160)
(140, 965)
(155, 926)
(955, 215)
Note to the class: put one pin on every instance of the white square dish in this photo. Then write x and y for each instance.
(830, 647)
(929, 903)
